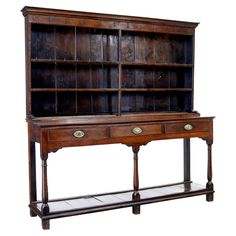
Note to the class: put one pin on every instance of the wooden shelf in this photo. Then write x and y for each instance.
(78, 62)
(167, 65)
(74, 90)
(156, 89)
(111, 90)
(101, 202)
(123, 63)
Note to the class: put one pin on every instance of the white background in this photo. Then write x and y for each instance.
(96, 169)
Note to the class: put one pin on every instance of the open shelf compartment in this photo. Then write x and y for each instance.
(101, 202)
(106, 71)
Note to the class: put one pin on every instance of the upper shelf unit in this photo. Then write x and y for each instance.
(94, 64)
(60, 44)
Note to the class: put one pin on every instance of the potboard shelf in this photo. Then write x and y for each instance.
(101, 202)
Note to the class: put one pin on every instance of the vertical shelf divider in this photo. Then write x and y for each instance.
(76, 82)
(135, 73)
(192, 74)
(55, 68)
(153, 85)
(119, 74)
(90, 74)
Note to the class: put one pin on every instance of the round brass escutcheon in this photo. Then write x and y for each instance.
(188, 127)
(79, 134)
(137, 130)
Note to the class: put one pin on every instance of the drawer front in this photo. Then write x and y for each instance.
(195, 126)
(135, 130)
(78, 133)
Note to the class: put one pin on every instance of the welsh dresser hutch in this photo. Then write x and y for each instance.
(102, 79)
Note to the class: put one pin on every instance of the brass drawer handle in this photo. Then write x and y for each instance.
(137, 130)
(79, 134)
(188, 127)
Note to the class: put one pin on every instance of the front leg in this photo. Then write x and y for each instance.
(32, 174)
(45, 207)
(44, 156)
(209, 185)
(32, 170)
(136, 195)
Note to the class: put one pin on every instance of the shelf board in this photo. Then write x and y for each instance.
(76, 62)
(167, 65)
(156, 89)
(83, 62)
(74, 90)
(101, 202)
(111, 90)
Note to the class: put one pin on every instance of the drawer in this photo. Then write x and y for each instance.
(77, 133)
(135, 130)
(191, 126)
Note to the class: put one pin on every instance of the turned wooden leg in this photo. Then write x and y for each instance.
(209, 185)
(136, 195)
(45, 207)
(45, 224)
(32, 174)
(187, 175)
(44, 156)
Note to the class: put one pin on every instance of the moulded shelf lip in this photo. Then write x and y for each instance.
(79, 62)
(74, 90)
(178, 65)
(111, 89)
(124, 63)
(156, 89)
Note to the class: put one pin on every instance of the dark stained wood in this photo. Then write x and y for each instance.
(100, 202)
(104, 62)
(44, 156)
(127, 130)
(200, 126)
(210, 186)
(85, 62)
(187, 161)
(125, 118)
(163, 53)
(75, 57)
(83, 44)
(45, 224)
(101, 79)
(136, 177)
(28, 56)
(107, 21)
(43, 41)
(43, 76)
(65, 76)
(64, 43)
(110, 90)
(43, 104)
(136, 194)
(32, 170)
(66, 103)
(67, 134)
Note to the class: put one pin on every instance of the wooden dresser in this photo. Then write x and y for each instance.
(102, 79)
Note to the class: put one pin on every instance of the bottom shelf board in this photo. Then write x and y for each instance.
(100, 202)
